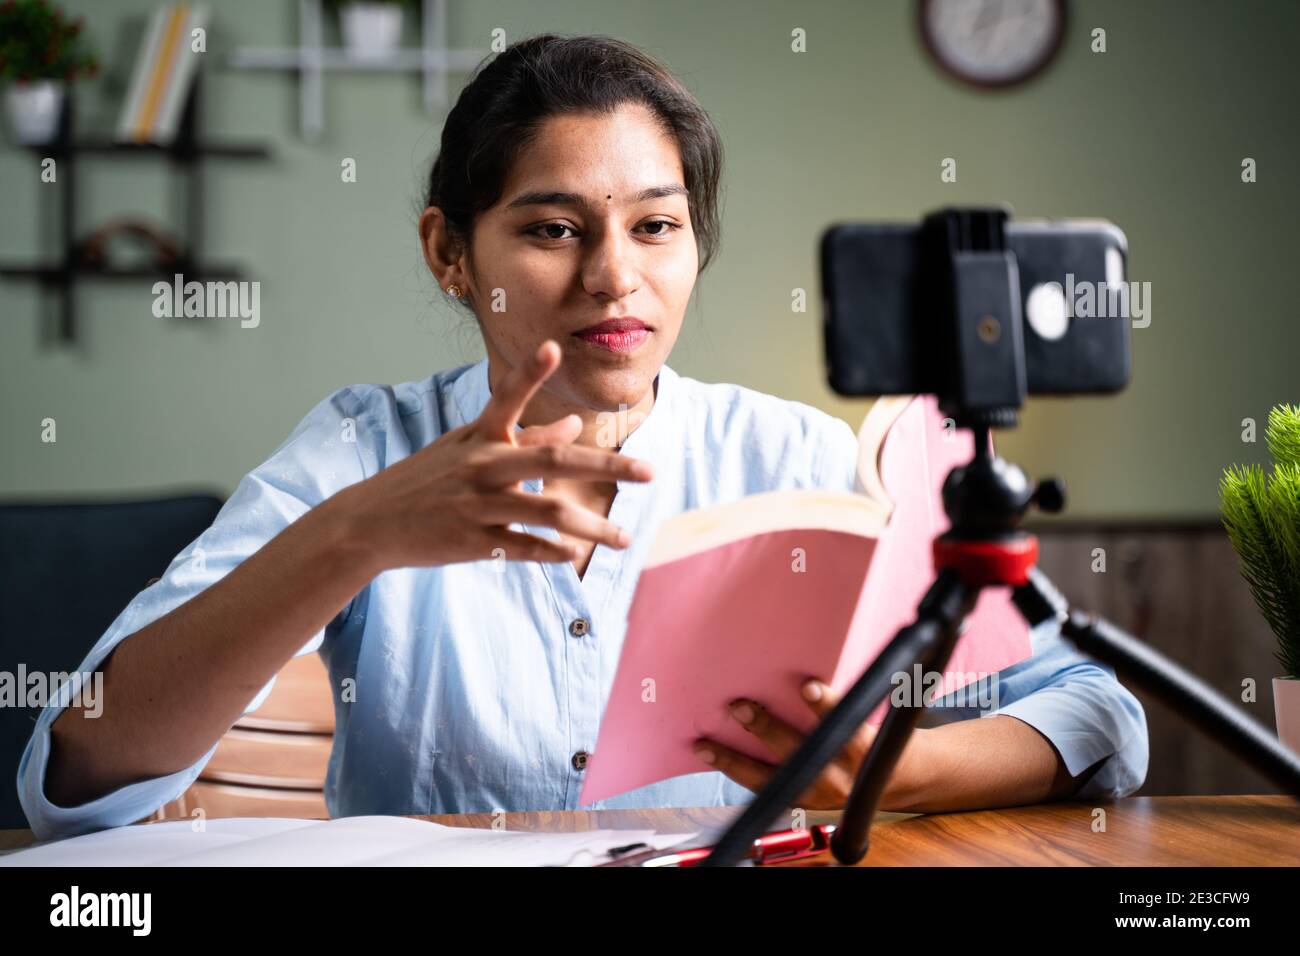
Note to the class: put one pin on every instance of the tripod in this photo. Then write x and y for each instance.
(985, 501)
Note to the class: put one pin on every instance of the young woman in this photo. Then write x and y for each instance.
(462, 549)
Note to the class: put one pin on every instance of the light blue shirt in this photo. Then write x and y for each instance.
(471, 691)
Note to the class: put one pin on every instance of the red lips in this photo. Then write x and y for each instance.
(624, 324)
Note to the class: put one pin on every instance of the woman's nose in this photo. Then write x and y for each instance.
(610, 268)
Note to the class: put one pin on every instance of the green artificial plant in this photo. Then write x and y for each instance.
(1261, 513)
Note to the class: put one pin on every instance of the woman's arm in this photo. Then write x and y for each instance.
(996, 761)
(1096, 726)
(175, 686)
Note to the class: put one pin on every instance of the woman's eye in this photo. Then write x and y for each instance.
(668, 227)
(537, 231)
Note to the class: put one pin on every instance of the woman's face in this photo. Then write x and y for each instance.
(592, 224)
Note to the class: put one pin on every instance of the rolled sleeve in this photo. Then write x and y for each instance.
(1080, 706)
(120, 807)
(312, 464)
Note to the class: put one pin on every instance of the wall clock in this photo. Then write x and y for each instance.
(992, 43)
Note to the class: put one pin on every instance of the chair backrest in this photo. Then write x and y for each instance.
(67, 570)
(272, 762)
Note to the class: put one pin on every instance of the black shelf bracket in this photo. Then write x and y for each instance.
(185, 153)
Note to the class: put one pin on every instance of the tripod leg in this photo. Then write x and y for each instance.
(1184, 692)
(942, 603)
(851, 839)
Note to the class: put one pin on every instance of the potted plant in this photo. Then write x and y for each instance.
(1261, 513)
(41, 50)
(372, 29)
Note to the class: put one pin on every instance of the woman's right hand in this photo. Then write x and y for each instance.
(452, 500)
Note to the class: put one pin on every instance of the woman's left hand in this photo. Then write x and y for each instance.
(831, 789)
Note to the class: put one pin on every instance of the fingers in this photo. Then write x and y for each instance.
(508, 402)
(746, 771)
(821, 700)
(561, 432)
(776, 734)
(819, 697)
(564, 516)
(510, 545)
(829, 791)
(562, 461)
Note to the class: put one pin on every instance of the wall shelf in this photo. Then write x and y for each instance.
(186, 153)
(311, 59)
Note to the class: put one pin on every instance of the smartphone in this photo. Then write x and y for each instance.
(1072, 278)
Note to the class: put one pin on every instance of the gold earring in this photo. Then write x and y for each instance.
(453, 290)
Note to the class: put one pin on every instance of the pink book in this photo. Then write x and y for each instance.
(750, 598)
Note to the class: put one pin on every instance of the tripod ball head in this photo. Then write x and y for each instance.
(986, 497)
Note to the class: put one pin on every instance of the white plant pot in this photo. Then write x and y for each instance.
(371, 31)
(1286, 702)
(34, 110)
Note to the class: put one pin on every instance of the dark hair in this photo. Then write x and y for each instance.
(503, 107)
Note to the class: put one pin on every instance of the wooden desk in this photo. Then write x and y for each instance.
(1140, 831)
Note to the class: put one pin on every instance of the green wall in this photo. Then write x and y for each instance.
(1150, 134)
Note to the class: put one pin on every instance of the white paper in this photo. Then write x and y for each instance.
(347, 841)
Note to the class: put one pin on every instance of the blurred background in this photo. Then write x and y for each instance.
(1150, 133)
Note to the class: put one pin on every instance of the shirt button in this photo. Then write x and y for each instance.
(580, 760)
(579, 626)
